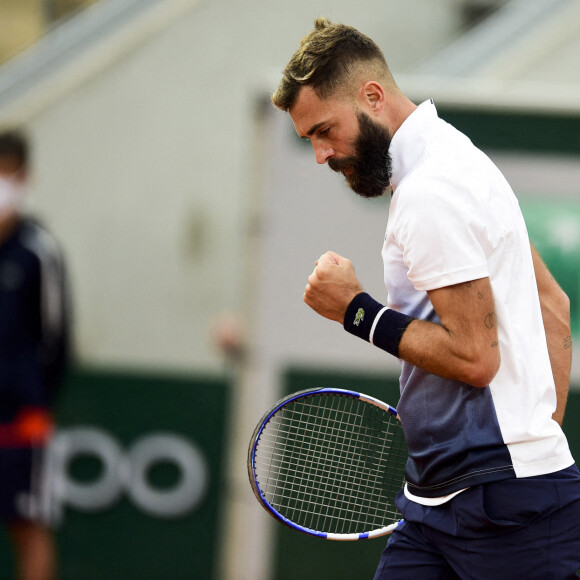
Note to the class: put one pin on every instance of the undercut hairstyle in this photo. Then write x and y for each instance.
(14, 144)
(331, 58)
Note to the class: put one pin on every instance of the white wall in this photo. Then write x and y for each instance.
(142, 170)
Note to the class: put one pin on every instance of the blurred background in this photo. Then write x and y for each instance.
(191, 215)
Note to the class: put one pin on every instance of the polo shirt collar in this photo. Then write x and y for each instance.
(408, 142)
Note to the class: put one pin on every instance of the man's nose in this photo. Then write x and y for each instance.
(322, 153)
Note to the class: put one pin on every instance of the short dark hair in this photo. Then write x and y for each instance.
(14, 143)
(328, 58)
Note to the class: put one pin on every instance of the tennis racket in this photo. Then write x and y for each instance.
(329, 462)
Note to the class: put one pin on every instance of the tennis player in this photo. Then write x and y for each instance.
(480, 326)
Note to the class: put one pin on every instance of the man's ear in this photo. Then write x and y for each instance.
(372, 96)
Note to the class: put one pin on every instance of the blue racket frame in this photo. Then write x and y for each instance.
(252, 464)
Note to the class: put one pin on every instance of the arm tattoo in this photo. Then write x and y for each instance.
(567, 342)
(489, 320)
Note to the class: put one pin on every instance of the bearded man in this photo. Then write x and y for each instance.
(481, 328)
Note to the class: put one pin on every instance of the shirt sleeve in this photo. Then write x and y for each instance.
(440, 229)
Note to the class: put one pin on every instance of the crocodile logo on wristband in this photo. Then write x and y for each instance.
(360, 315)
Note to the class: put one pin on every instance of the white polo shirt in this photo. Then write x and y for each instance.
(454, 218)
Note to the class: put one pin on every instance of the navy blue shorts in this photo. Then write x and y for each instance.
(22, 483)
(517, 528)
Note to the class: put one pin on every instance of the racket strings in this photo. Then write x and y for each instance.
(332, 463)
(328, 490)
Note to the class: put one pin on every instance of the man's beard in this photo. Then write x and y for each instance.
(369, 170)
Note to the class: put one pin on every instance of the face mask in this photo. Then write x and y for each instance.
(11, 198)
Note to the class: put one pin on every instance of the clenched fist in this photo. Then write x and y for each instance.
(332, 286)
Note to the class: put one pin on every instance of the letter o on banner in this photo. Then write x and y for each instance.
(165, 447)
(99, 493)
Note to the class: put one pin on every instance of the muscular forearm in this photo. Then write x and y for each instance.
(555, 307)
(438, 350)
(462, 347)
(560, 351)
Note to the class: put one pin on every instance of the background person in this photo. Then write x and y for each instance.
(34, 337)
(480, 326)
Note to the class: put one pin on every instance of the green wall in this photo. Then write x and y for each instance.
(124, 542)
(510, 131)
